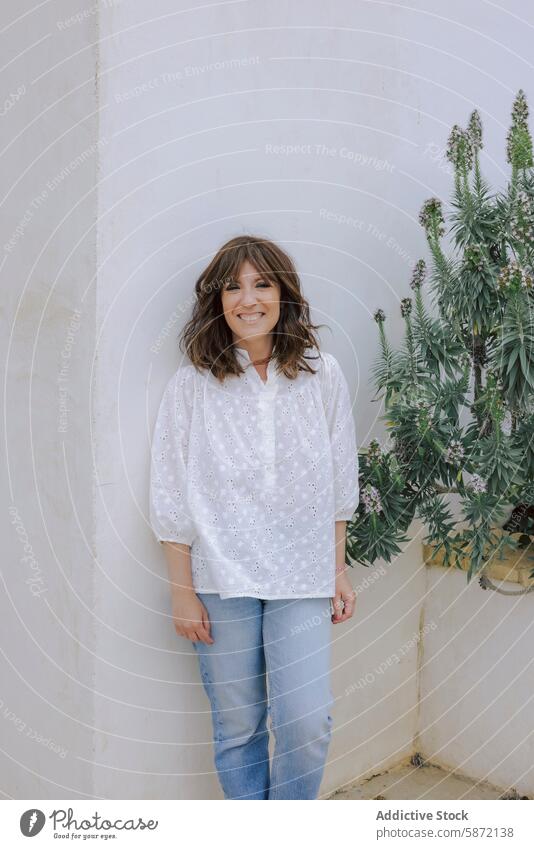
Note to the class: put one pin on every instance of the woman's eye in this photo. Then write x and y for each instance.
(231, 286)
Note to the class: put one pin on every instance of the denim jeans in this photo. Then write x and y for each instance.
(282, 645)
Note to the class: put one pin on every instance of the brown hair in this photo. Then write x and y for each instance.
(208, 339)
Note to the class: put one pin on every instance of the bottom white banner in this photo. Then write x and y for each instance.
(153, 822)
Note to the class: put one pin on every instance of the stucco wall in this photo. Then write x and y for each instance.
(48, 262)
(213, 130)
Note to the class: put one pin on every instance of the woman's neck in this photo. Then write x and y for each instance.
(258, 349)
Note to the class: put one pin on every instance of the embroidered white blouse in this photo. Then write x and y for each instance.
(253, 475)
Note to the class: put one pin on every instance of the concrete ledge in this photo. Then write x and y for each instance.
(516, 565)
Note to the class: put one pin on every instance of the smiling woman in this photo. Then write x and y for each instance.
(254, 475)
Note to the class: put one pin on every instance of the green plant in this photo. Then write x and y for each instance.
(473, 352)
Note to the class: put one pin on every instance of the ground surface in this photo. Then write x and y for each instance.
(410, 782)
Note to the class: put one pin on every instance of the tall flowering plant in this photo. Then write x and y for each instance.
(459, 393)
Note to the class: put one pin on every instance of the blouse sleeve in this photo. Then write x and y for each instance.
(337, 405)
(170, 517)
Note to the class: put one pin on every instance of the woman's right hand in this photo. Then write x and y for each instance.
(190, 617)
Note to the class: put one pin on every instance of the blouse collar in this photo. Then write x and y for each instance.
(242, 352)
(244, 356)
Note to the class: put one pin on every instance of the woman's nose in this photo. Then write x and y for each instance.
(248, 297)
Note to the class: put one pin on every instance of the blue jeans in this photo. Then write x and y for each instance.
(282, 644)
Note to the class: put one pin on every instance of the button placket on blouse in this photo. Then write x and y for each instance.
(266, 412)
(266, 393)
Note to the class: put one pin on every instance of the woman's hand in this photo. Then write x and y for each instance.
(344, 600)
(190, 617)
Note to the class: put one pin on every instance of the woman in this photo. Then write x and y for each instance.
(254, 475)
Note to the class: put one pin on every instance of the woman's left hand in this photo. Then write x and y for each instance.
(344, 600)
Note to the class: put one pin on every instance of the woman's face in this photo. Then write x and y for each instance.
(251, 303)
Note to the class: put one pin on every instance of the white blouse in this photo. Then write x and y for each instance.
(253, 475)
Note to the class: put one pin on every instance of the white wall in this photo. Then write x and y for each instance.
(47, 262)
(192, 104)
(190, 160)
